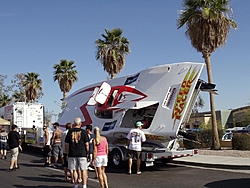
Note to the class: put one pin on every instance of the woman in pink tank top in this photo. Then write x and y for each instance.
(100, 157)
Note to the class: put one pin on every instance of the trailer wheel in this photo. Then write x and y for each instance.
(116, 158)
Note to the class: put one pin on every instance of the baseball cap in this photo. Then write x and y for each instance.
(139, 123)
(56, 124)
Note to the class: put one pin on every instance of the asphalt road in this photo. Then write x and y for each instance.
(33, 174)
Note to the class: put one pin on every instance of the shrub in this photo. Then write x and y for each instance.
(241, 141)
(204, 137)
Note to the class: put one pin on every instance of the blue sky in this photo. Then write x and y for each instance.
(37, 34)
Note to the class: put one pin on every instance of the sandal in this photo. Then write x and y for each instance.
(79, 181)
(67, 180)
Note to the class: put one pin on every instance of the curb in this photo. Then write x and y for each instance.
(209, 165)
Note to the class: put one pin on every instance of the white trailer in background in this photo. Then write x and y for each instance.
(161, 96)
(29, 117)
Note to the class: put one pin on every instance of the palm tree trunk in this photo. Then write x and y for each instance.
(215, 139)
(64, 95)
(63, 102)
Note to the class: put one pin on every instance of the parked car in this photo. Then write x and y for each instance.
(227, 136)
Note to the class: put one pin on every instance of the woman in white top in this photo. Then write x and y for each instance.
(3, 143)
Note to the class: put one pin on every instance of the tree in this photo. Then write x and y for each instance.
(18, 96)
(3, 88)
(208, 23)
(48, 116)
(32, 86)
(4, 100)
(112, 50)
(199, 103)
(19, 92)
(66, 75)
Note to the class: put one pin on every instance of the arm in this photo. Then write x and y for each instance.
(52, 138)
(87, 148)
(128, 142)
(46, 138)
(94, 151)
(107, 147)
(67, 148)
(66, 141)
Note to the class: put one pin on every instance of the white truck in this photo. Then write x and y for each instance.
(29, 117)
(162, 97)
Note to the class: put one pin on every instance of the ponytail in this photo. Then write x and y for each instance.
(97, 135)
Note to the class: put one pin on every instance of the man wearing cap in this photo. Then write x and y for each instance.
(135, 138)
(56, 142)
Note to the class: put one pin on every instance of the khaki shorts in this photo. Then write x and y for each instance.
(134, 154)
(77, 163)
(14, 153)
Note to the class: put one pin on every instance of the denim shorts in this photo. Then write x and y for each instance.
(3, 145)
(57, 150)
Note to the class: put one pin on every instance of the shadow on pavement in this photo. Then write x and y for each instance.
(20, 186)
(44, 178)
(230, 183)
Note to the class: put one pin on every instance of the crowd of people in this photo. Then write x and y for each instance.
(79, 149)
(13, 141)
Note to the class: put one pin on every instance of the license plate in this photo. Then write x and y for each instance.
(149, 164)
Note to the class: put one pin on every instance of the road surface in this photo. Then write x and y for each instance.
(32, 173)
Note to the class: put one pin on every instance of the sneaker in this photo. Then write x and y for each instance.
(47, 164)
(139, 172)
(55, 166)
(10, 170)
(129, 172)
(90, 168)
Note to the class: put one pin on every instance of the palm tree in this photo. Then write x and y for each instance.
(208, 23)
(32, 86)
(18, 96)
(66, 75)
(4, 100)
(112, 50)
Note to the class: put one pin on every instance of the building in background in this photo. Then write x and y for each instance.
(239, 117)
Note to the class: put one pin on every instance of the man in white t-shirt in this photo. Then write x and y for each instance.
(135, 138)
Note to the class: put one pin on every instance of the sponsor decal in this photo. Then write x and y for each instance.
(132, 79)
(155, 137)
(181, 99)
(109, 126)
(170, 96)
